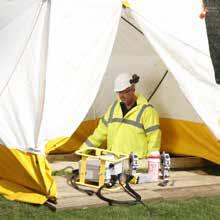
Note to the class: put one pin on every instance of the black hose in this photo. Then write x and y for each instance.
(73, 180)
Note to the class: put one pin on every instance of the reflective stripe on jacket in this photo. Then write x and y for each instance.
(138, 131)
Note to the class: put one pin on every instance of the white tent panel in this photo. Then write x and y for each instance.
(12, 10)
(16, 24)
(38, 104)
(22, 64)
(171, 102)
(81, 38)
(186, 55)
(133, 53)
(46, 95)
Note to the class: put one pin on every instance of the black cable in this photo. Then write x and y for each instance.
(112, 201)
(137, 29)
(158, 86)
(129, 190)
(73, 180)
(126, 188)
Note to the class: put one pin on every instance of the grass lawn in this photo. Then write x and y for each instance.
(198, 208)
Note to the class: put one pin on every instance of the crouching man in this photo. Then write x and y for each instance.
(131, 124)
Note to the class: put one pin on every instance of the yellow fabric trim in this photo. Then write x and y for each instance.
(13, 191)
(126, 3)
(55, 144)
(25, 177)
(178, 137)
(189, 138)
(66, 145)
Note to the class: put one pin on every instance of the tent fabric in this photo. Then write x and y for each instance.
(179, 137)
(186, 55)
(61, 60)
(56, 57)
(22, 30)
(81, 38)
(189, 138)
(70, 144)
(25, 177)
(75, 38)
(183, 131)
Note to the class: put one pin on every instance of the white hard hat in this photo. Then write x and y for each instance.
(122, 82)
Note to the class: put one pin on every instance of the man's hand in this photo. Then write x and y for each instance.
(204, 12)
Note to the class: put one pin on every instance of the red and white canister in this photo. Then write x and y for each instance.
(154, 165)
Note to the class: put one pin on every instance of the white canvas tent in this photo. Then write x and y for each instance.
(58, 59)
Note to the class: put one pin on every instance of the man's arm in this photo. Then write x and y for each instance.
(99, 135)
(152, 130)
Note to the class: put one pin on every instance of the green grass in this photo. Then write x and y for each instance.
(198, 208)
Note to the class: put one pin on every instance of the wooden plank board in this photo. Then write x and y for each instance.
(177, 179)
(189, 192)
(175, 183)
(93, 201)
(60, 165)
(182, 185)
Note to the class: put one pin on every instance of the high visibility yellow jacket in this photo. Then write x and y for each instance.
(138, 131)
